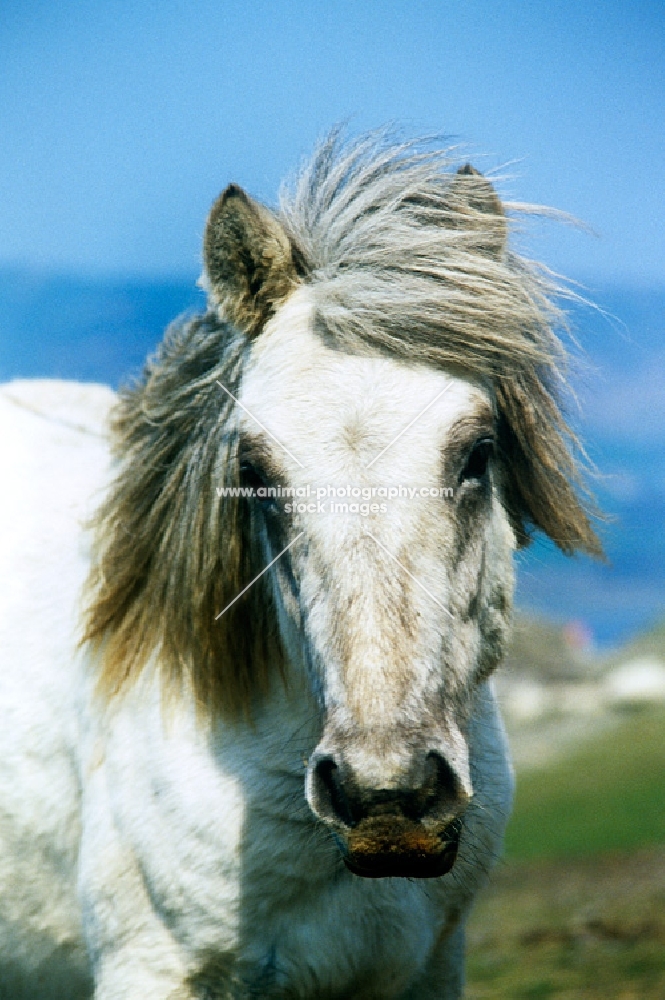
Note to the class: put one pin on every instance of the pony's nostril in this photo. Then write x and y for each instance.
(330, 792)
(439, 790)
(439, 772)
(337, 797)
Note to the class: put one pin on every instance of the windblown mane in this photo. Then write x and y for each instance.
(403, 257)
(169, 554)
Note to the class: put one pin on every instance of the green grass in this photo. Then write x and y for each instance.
(609, 795)
(588, 928)
(577, 910)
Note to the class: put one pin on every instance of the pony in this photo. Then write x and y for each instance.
(249, 743)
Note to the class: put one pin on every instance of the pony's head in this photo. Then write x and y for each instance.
(381, 373)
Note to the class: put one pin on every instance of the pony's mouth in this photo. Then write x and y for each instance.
(392, 847)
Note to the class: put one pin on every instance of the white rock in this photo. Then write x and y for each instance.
(526, 701)
(639, 680)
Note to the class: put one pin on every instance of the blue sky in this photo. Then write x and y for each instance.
(122, 120)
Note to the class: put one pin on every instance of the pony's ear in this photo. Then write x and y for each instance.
(250, 265)
(476, 208)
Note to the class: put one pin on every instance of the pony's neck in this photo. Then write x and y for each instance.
(268, 751)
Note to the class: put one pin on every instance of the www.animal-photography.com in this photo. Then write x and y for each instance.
(332, 395)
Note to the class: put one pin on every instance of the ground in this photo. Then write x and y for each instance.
(585, 929)
(577, 909)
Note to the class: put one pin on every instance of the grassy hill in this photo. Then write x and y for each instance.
(648, 643)
(607, 796)
(577, 910)
(585, 929)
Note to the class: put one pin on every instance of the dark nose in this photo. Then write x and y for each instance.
(338, 797)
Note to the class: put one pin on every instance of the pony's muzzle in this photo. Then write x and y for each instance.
(411, 830)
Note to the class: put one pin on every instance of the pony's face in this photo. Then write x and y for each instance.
(390, 567)
(394, 580)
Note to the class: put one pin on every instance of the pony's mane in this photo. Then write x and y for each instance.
(169, 555)
(402, 258)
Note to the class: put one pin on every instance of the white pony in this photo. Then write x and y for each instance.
(273, 765)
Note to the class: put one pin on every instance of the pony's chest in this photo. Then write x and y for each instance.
(253, 889)
(293, 923)
(324, 933)
(274, 913)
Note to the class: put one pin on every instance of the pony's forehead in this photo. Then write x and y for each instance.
(300, 387)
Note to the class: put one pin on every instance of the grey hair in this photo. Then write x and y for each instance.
(406, 257)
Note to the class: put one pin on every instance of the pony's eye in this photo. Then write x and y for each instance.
(251, 477)
(478, 460)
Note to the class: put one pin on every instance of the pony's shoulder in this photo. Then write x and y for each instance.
(54, 456)
(81, 406)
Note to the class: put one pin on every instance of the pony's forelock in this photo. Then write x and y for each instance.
(408, 258)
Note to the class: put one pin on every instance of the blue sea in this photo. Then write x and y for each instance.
(101, 330)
